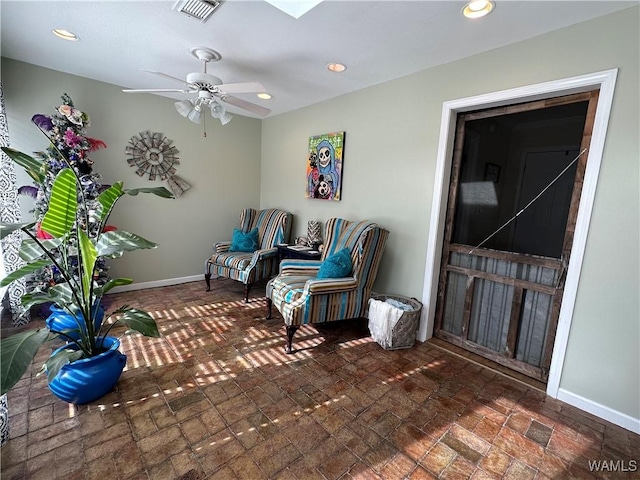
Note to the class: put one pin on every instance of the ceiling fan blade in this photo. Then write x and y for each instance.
(246, 87)
(181, 80)
(251, 107)
(157, 90)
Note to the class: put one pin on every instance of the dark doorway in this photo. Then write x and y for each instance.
(516, 181)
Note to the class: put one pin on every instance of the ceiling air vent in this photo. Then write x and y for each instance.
(198, 9)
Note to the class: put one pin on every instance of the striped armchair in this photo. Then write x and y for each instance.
(274, 227)
(303, 299)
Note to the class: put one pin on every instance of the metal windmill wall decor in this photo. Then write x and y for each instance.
(154, 155)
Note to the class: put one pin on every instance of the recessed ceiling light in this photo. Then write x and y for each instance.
(478, 8)
(264, 96)
(65, 34)
(336, 67)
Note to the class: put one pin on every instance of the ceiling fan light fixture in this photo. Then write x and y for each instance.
(478, 8)
(189, 110)
(65, 34)
(184, 107)
(219, 112)
(195, 115)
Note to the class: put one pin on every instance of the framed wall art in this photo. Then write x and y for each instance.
(324, 166)
(491, 172)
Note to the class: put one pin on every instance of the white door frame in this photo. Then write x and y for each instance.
(605, 81)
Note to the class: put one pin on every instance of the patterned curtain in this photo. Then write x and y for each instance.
(10, 213)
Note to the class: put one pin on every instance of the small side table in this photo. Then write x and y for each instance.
(291, 251)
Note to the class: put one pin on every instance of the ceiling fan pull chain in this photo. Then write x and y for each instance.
(204, 126)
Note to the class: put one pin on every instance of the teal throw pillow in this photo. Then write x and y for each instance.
(337, 265)
(244, 242)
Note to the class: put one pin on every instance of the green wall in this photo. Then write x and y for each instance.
(223, 168)
(392, 133)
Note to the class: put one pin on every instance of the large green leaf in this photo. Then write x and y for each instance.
(159, 191)
(140, 321)
(7, 229)
(24, 271)
(118, 241)
(59, 294)
(37, 298)
(114, 282)
(55, 362)
(63, 205)
(17, 353)
(88, 254)
(108, 198)
(31, 250)
(33, 167)
(63, 293)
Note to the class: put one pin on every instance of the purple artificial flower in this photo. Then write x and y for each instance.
(42, 121)
(28, 190)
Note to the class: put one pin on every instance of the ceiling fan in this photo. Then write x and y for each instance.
(210, 91)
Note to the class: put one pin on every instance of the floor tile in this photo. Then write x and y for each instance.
(216, 397)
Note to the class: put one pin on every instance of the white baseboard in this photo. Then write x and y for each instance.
(158, 283)
(621, 419)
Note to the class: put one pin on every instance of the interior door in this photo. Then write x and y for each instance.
(513, 200)
(541, 226)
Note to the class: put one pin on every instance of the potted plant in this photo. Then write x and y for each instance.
(73, 246)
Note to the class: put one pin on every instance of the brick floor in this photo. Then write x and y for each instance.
(217, 398)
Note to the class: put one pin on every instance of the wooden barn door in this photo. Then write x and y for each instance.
(513, 200)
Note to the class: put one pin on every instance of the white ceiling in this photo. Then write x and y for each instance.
(377, 40)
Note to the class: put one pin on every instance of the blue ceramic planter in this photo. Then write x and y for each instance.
(61, 320)
(86, 380)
